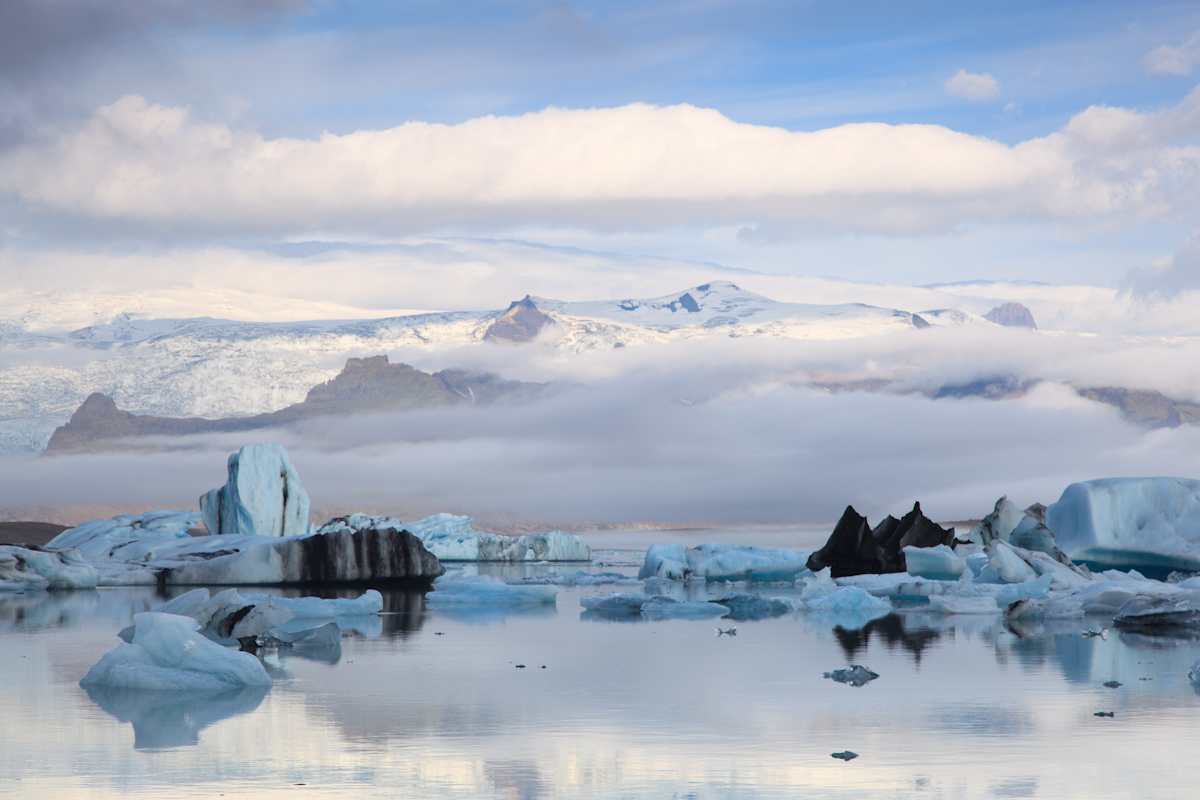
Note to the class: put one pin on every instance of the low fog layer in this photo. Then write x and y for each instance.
(634, 450)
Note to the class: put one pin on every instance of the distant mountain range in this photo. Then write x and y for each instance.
(365, 385)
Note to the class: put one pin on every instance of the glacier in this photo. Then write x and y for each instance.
(168, 653)
(218, 368)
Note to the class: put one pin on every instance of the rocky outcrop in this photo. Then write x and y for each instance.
(1013, 315)
(262, 497)
(1145, 406)
(365, 385)
(522, 322)
(855, 549)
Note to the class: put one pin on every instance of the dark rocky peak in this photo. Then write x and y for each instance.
(522, 322)
(854, 549)
(1014, 315)
(97, 416)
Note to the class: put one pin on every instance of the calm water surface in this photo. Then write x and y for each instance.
(427, 703)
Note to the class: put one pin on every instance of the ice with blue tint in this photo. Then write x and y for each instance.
(1130, 523)
(22, 568)
(486, 590)
(937, 563)
(121, 536)
(451, 538)
(851, 599)
(370, 602)
(571, 579)
(262, 496)
(168, 653)
(722, 562)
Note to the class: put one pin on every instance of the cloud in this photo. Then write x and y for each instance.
(971, 86)
(1174, 60)
(629, 451)
(636, 167)
(1174, 276)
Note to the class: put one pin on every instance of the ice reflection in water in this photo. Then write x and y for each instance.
(965, 707)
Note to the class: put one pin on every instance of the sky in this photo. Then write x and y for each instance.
(900, 143)
(272, 159)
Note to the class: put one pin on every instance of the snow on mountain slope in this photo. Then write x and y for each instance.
(213, 368)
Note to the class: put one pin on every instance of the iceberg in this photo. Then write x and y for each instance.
(939, 563)
(451, 538)
(262, 497)
(14, 577)
(125, 535)
(571, 579)
(854, 548)
(1148, 524)
(33, 567)
(485, 590)
(857, 675)
(168, 653)
(721, 562)
(999, 524)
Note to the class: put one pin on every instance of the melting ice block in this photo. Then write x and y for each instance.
(717, 562)
(851, 599)
(168, 653)
(262, 497)
(649, 607)
(126, 536)
(22, 568)
(1148, 524)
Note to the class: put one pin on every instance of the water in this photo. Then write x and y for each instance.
(431, 704)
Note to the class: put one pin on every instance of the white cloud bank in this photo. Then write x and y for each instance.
(1174, 60)
(636, 167)
(971, 86)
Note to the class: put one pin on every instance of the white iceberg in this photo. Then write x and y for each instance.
(485, 590)
(1142, 523)
(262, 497)
(451, 538)
(722, 562)
(168, 653)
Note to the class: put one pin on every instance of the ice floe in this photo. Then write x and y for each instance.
(721, 562)
(168, 653)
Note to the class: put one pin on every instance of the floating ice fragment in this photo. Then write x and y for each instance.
(721, 562)
(743, 606)
(856, 676)
(851, 599)
(845, 755)
(938, 563)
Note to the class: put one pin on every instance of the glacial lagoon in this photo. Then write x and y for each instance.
(555, 702)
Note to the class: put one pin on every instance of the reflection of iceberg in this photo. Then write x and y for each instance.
(174, 719)
(487, 614)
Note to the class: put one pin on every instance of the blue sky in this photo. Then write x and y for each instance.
(285, 70)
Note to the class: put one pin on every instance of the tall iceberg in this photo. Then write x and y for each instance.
(263, 496)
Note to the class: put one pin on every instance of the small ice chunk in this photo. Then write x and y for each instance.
(666, 608)
(1008, 564)
(856, 676)
(743, 606)
(819, 585)
(169, 654)
(630, 602)
(327, 635)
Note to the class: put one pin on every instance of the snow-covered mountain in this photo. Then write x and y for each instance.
(208, 367)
